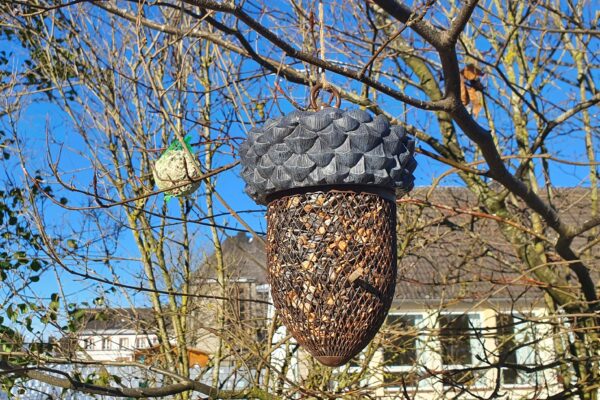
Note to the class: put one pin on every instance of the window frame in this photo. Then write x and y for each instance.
(419, 348)
(141, 342)
(88, 343)
(475, 345)
(123, 343)
(351, 368)
(105, 344)
(524, 379)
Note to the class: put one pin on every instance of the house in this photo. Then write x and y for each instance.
(111, 334)
(464, 304)
(121, 334)
(468, 319)
(247, 293)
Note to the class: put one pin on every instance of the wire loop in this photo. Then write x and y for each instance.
(314, 96)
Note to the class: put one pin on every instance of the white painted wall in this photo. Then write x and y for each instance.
(113, 345)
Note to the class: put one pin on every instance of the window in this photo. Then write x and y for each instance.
(242, 306)
(355, 372)
(141, 343)
(88, 343)
(460, 342)
(516, 341)
(455, 335)
(262, 311)
(123, 343)
(106, 343)
(401, 351)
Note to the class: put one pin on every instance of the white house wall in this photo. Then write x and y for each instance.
(430, 356)
(114, 352)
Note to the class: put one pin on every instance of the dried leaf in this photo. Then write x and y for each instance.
(464, 93)
(471, 88)
(471, 72)
(476, 100)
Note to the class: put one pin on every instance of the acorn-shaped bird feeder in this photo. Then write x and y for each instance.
(329, 179)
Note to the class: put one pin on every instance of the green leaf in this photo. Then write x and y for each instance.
(29, 324)
(36, 265)
(11, 313)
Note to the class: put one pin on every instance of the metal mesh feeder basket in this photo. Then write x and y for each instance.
(329, 179)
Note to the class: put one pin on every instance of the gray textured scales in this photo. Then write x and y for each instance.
(326, 147)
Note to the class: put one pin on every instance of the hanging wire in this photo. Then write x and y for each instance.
(323, 84)
(322, 41)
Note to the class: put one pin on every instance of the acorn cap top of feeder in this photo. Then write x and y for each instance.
(326, 147)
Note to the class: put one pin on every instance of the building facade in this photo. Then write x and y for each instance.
(114, 334)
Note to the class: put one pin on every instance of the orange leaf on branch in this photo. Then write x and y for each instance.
(471, 88)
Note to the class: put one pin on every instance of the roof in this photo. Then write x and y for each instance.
(461, 256)
(445, 255)
(121, 319)
(244, 258)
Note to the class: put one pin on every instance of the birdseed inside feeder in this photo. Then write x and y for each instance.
(329, 179)
(176, 170)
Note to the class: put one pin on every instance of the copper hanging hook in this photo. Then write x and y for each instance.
(314, 95)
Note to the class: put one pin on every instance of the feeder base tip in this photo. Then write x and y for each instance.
(332, 361)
